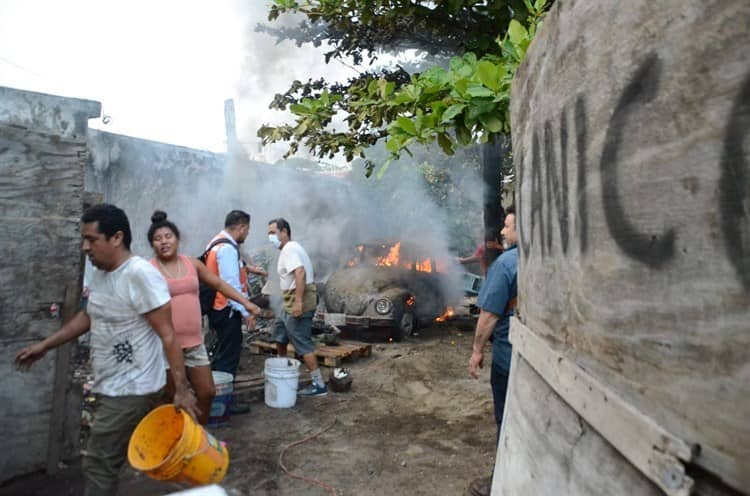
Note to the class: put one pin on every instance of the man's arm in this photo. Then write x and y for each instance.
(469, 259)
(229, 271)
(485, 326)
(474, 257)
(258, 271)
(208, 277)
(160, 320)
(492, 300)
(78, 325)
(299, 291)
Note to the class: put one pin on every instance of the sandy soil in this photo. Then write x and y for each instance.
(414, 423)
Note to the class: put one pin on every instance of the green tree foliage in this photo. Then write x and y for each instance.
(360, 28)
(456, 105)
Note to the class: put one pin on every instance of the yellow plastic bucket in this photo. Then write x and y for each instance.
(169, 445)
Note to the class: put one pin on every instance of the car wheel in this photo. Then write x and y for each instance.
(405, 326)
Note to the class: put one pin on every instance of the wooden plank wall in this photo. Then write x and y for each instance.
(630, 141)
(42, 158)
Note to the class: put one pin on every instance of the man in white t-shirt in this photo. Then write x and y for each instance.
(132, 340)
(294, 322)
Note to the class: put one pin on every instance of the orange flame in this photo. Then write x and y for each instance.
(391, 259)
(355, 260)
(425, 265)
(410, 301)
(447, 315)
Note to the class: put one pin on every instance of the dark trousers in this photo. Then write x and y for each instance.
(228, 331)
(114, 421)
(499, 381)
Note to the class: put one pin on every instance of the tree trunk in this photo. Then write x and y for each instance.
(494, 153)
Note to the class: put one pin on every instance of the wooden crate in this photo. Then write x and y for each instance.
(329, 356)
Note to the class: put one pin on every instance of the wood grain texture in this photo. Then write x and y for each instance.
(657, 453)
(62, 411)
(546, 448)
(633, 195)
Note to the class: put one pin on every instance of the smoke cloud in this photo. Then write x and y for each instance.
(329, 216)
(269, 68)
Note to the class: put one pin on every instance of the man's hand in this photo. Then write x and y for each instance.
(476, 362)
(27, 356)
(254, 269)
(76, 326)
(184, 399)
(297, 309)
(485, 326)
(252, 308)
(250, 322)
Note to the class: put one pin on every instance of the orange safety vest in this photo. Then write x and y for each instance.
(221, 301)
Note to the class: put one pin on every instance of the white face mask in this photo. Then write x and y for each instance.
(274, 239)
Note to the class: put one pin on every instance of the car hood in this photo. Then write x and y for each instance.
(353, 289)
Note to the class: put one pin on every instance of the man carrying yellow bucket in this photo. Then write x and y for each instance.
(132, 340)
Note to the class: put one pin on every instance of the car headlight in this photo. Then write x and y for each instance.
(383, 306)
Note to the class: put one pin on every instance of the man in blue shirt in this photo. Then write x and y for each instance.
(226, 316)
(497, 301)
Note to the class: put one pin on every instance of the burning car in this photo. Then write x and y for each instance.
(387, 286)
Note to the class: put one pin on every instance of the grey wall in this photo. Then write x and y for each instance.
(329, 216)
(140, 176)
(198, 188)
(42, 156)
(630, 138)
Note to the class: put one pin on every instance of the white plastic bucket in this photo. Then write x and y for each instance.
(282, 378)
(220, 406)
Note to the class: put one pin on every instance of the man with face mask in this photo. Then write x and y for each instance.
(226, 316)
(294, 322)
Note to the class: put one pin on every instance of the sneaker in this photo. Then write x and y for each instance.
(313, 390)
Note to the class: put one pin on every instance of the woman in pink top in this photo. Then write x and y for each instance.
(183, 275)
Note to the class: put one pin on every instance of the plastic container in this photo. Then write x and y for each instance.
(472, 283)
(168, 445)
(219, 414)
(282, 378)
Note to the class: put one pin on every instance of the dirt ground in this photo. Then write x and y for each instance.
(414, 423)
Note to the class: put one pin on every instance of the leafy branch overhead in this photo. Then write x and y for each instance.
(461, 103)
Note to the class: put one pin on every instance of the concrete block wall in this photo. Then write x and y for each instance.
(42, 158)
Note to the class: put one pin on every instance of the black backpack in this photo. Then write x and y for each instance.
(206, 293)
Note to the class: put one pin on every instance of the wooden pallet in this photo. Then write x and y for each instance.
(330, 356)
(252, 387)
